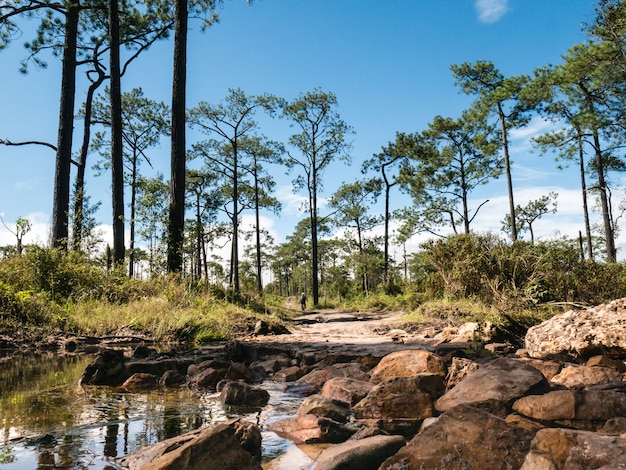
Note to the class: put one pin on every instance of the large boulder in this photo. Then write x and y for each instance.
(464, 438)
(580, 333)
(495, 386)
(558, 448)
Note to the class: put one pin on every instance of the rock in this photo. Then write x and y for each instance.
(240, 393)
(565, 448)
(108, 368)
(233, 445)
(323, 407)
(172, 378)
(575, 376)
(464, 438)
(400, 404)
(319, 377)
(140, 382)
(560, 404)
(362, 454)
(208, 378)
(309, 429)
(345, 389)
(580, 334)
(495, 386)
(459, 368)
(407, 363)
(289, 374)
(579, 409)
(548, 368)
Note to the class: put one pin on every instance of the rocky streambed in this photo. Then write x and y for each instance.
(376, 397)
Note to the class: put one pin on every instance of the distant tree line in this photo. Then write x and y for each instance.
(181, 221)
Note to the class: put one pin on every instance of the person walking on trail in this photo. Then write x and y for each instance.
(303, 300)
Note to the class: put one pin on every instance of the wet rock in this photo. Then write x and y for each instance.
(172, 378)
(362, 454)
(346, 389)
(464, 438)
(140, 382)
(495, 386)
(108, 368)
(232, 445)
(240, 393)
(407, 363)
(289, 374)
(215, 371)
(308, 429)
(565, 448)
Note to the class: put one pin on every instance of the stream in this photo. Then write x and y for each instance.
(49, 421)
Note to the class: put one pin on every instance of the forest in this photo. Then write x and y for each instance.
(177, 222)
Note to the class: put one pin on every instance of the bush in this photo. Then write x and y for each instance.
(518, 275)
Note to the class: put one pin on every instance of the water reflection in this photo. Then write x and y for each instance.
(48, 421)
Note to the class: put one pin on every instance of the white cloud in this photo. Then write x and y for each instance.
(490, 11)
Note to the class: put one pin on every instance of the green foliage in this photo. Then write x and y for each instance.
(518, 275)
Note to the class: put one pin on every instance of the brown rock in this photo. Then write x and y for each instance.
(464, 438)
(362, 454)
(346, 389)
(551, 406)
(495, 386)
(319, 377)
(323, 407)
(459, 369)
(140, 382)
(400, 398)
(240, 393)
(309, 429)
(233, 445)
(289, 374)
(580, 333)
(575, 376)
(558, 448)
(407, 363)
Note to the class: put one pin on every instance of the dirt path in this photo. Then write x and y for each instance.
(348, 332)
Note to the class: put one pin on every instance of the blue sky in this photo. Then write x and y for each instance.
(387, 62)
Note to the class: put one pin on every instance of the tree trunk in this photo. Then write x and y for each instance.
(507, 166)
(259, 281)
(235, 251)
(61, 197)
(79, 183)
(176, 225)
(315, 288)
(117, 151)
(133, 203)
(581, 160)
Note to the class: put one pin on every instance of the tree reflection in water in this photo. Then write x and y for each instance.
(47, 419)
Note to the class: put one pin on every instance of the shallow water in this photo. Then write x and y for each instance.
(48, 421)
